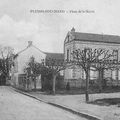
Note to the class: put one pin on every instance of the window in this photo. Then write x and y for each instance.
(83, 74)
(114, 74)
(67, 55)
(68, 38)
(74, 72)
(115, 55)
(15, 66)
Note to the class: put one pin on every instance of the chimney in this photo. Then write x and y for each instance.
(73, 29)
(29, 43)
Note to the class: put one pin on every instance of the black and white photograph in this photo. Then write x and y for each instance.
(59, 60)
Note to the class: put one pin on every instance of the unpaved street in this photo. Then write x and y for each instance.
(15, 106)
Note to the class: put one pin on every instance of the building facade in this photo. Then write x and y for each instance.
(77, 40)
(21, 60)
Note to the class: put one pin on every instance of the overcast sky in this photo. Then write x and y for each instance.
(48, 30)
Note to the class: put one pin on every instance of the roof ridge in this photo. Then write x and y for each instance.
(22, 50)
(38, 49)
(94, 37)
(95, 34)
(52, 53)
(27, 48)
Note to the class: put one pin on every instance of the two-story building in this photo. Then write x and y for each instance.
(21, 60)
(77, 40)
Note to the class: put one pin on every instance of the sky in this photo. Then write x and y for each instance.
(18, 24)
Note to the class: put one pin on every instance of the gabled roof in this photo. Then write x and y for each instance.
(54, 59)
(26, 49)
(78, 36)
(57, 56)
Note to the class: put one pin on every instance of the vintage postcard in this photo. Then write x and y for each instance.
(59, 60)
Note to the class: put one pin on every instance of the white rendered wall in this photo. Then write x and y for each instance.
(24, 57)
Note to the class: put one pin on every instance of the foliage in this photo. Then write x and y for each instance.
(33, 68)
(49, 69)
(54, 66)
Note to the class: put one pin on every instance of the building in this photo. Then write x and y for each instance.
(77, 40)
(22, 58)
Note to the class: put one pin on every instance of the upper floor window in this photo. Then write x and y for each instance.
(68, 54)
(68, 38)
(115, 55)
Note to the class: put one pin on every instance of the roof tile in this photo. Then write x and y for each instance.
(96, 37)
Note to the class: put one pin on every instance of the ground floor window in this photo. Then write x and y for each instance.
(116, 74)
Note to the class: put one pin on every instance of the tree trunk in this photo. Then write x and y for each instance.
(100, 82)
(87, 85)
(42, 82)
(35, 83)
(28, 83)
(104, 84)
(54, 82)
(117, 74)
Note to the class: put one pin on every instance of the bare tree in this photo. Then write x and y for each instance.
(87, 58)
(55, 66)
(6, 55)
(104, 63)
